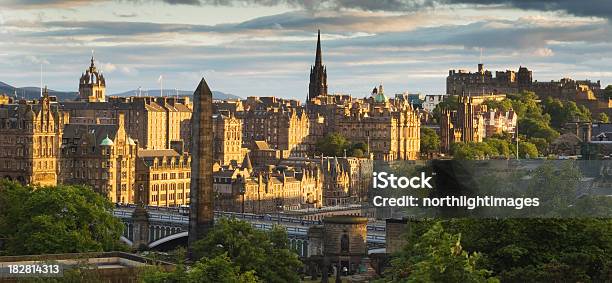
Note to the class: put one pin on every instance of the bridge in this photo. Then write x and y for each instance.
(169, 226)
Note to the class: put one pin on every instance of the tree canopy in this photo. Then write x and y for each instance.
(270, 258)
(430, 141)
(335, 144)
(513, 250)
(437, 256)
(61, 219)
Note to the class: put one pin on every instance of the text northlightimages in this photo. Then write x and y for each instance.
(384, 180)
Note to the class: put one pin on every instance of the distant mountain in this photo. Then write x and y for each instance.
(33, 92)
(171, 92)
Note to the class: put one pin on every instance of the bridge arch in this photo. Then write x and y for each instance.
(168, 239)
(126, 240)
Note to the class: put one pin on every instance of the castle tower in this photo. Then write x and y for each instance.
(92, 86)
(318, 74)
(201, 216)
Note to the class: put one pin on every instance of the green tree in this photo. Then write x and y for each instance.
(603, 117)
(541, 145)
(217, 269)
(501, 105)
(270, 258)
(61, 219)
(528, 150)
(437, 256)
(501, 146)
(358, 149)
(333, 144)
(450, 103)
(608, 92)
(430, 142)
(540, 250)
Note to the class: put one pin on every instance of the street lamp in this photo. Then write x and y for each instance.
(242, 190)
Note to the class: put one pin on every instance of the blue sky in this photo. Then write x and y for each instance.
(266, 47)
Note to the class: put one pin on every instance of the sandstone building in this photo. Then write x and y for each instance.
(102, 156)
(273, 190)
(164, 176)
(30, 141)
(227, 139)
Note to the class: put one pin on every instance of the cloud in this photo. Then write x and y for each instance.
(36, 60)
(584, 8)
(124, 15)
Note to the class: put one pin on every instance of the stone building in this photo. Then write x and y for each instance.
(340, 245)
(227, 139)
(496, 122)
(283, 124)
(30, 138)
(92, 86)
(274, 190)
(102, 156)
(346, 180)
(5, 99)
(507, 82)
(164, 176)
(463, 125)
(390, 127)
(473, 121)
(155, 122)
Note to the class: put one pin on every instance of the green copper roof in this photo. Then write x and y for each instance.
(107, 141)
(380, 98)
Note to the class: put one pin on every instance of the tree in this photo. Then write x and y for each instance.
(527, 150)
(501, 146)
(502, 105)
(270, 258)
(540, 249)
(333, 144)
(603, 117)
(61, 219)
(430, 142)
(608, 92)
(451, 102)
(437, 256)
(541, 145)
(358, 149)
(217, 269)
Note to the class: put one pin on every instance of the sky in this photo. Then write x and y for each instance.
(266, 47)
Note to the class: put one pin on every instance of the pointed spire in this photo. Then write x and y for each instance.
(319, 58)
(246, 163)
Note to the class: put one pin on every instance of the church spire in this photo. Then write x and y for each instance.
(318, 74)
(319, 58)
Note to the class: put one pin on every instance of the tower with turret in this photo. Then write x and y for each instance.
(92, 86)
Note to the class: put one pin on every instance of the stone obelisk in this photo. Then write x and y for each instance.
(201, 215)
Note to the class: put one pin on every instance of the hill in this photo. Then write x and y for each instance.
(34, 92)
(171, 92)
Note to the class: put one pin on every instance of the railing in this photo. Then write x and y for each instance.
(375, 232)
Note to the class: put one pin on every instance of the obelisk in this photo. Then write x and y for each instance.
(201, 215)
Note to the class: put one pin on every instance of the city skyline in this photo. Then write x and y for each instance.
(254, 49)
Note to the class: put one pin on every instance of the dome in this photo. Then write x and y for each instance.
(107, 142)
(381, 98)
